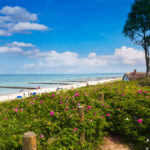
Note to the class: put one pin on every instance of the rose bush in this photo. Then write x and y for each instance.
(125, 112)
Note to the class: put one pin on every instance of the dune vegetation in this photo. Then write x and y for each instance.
(124, 112)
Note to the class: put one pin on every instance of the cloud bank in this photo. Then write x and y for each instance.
(71, 62)
(18, 20)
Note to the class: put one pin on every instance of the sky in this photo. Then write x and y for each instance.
(66, 36)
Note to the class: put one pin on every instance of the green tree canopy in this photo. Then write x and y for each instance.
(137, 26)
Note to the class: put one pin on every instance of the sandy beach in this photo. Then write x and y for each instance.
(9, 97)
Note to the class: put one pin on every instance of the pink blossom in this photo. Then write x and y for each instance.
(75, 129)
(85, 94)
(67, 101)
(102, 116)
(95, 114)
(73, 108)
(103, 104)
(89, 107)
(51, 113)
(61, 102)
(67, 104)
(140, 91)
(42, 136)
(77, 94)
(16, 109)
(53, 95)
(30, 102)
(72, 101)
(139, 121)
(107, 107)
(41, 101)
(108, 115)
(90, 120)
(66, 109)
(123, 94)
(5, 118)
(78, 104)
(21, 109)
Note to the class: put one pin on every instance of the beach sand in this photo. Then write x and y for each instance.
(23, 94)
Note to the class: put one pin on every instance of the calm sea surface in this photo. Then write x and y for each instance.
(22, 80)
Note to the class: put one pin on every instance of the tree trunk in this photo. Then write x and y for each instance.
(145, 46)
(147, 60)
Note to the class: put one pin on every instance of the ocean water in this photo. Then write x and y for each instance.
(23, 80)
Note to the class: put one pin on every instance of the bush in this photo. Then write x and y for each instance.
(144, 81)
(125, 111)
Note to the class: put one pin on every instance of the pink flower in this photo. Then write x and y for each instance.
(16, 109)
(102, 116)
(5, 119)
(66, 109)
(72, 101)
(61, 102)
(95, 114)
(78, 104)
(30, 102)
(85, 94)
(77, 94)
(73, 108)
(89, 107)
(140, 91)
(103, 104)
(51, 113)
(108, 115)
(42, 136)
(90, 120)
(21, 109)
(67, 101)
(107, 107)
(67, 104)
(139, 121)
(41, 101)
(76, 129)
(53, 95)
(123, 94)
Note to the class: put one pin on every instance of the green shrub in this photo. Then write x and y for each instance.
(125, 111)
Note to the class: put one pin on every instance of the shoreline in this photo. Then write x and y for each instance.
(10, 97)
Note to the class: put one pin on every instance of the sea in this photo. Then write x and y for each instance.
(47, 80)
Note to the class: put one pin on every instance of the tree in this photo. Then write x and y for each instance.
(137, 27)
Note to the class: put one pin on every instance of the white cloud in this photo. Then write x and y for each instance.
(5, 49)
(22, 26)
(70, 61)
(130, 55)
(20, 44)
(18, 20)
(17, 14)
(4, 33)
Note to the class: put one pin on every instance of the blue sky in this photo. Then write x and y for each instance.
(69, 36)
